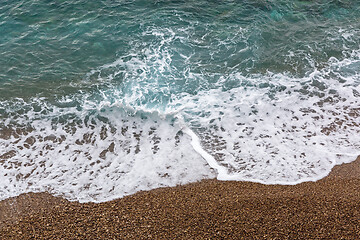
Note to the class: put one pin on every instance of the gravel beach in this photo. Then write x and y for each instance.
(327, 209)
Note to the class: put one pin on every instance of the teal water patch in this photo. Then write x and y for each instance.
(58, 43)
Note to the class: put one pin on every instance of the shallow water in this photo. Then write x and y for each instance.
(103, 99)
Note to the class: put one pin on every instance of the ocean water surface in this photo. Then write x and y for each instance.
(101, 99)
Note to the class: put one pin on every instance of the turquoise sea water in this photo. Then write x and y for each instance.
(100, 99)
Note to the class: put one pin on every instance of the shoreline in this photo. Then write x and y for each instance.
(328, 208)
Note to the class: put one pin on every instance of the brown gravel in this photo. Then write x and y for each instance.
(327, 209)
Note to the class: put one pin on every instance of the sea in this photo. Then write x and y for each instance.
(103, 99)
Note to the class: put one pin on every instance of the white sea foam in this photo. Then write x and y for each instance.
(106, 149)
(280, 129)
(286, 140)
(105, 156)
